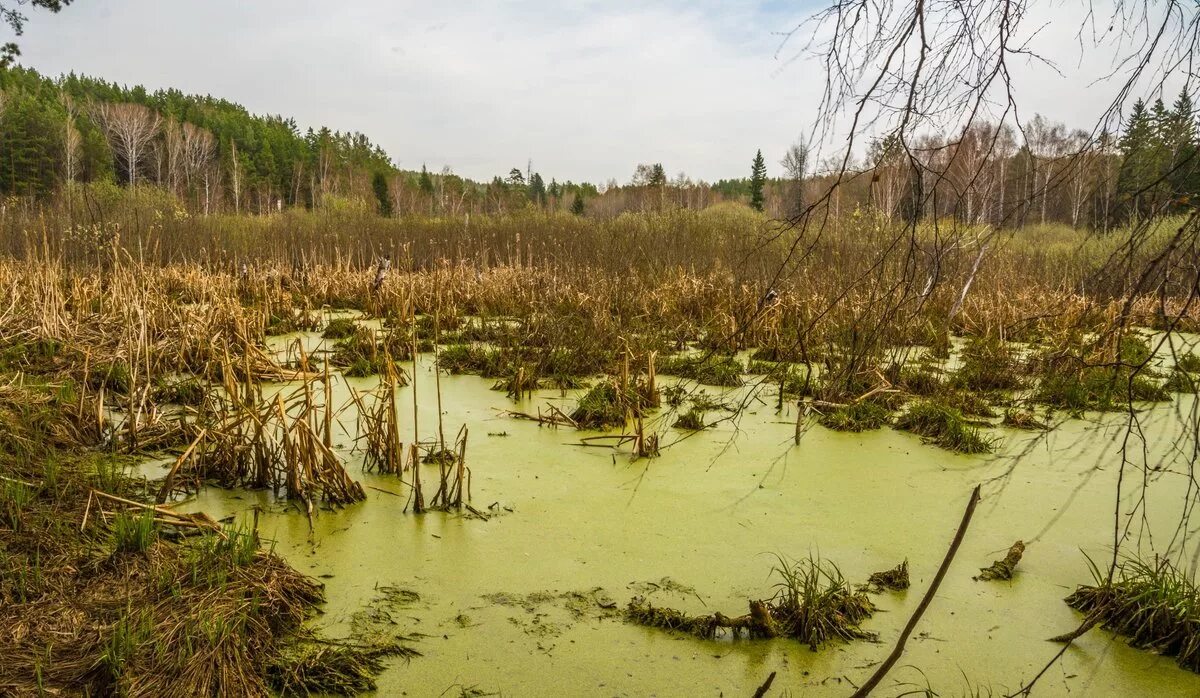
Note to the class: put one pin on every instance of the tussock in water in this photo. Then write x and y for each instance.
(944, 426)
(1023, 419)
(1156, 605)
(858, 416)
(813, 603)
(895, 579)
(723, 371)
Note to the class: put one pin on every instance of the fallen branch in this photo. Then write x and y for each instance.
(898, 650)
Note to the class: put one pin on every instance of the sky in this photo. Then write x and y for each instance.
(585, 91)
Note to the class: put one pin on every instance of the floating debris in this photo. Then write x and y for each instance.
(895, 579)
(1003, 569)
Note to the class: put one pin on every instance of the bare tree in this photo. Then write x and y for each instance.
(795, 165)
(896, 70)
(130, 129)
(72, 141)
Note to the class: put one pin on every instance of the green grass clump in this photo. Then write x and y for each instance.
(1023, 419)
(1188, 362)
(944, 426)
(1181, 382)
(815, 604)
(921, 380)
(466, 358)
(114, 377)
(988, 363)
(1100, 388)
(1133, 350)
(14, 500)
(723, 371)
(692, 420)
(1156, 605)
(601, 407)
(134, 533)
(331, 668)
(970, 403)
(340, 328)
(858, 416)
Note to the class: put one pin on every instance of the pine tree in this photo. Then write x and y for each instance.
(577, 205)
(758, 177)
(537, 189)
(658, 175)
(1139, 168)
(425, 182)
(1182, 139)
(379, 185)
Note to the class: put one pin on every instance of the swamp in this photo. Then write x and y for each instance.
(918, 417)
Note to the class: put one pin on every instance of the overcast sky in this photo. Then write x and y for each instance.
(585, 91)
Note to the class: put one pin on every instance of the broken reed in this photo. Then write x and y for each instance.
(282, 442)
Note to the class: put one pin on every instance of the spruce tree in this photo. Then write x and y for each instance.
(1139, 168)
(537, 189)
(758, 177)
(425, 182)
(1181, 133)
(379, 185)
(577, 205)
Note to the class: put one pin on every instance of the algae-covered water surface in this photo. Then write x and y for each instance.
(525, 595)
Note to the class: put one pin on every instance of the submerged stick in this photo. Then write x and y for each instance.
(898, 650)
(766, 686)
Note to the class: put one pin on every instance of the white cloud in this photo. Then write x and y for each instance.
(586, 91)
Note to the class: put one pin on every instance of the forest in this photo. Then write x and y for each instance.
(73, 132)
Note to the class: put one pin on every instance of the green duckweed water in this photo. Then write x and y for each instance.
(516, 605)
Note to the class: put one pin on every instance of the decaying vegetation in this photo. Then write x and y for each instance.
(812, 603)
(105, 594)
(166, 351)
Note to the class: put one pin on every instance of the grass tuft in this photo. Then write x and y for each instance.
(944, 426)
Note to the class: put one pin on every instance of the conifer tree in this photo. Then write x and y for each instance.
(1138, 167)
(758, 177)
(379, 185)
(425, 182)
(577, 205)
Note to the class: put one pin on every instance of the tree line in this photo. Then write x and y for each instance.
(215, 156)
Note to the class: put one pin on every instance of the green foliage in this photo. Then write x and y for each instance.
(1181, 382)
(127, 635)
(1188, 362)
(988, 363)
(944, 426)
(603, 406)
(14, 498)
(692, 420)
(340, 328)
(1156, 605)
(275, 161)
(815, 604)
(134, 533)
(712, 370)
(858, 416)
(577, 205)
(1100, 388)
(758, 177)
(379, 185)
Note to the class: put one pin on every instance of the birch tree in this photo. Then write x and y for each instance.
(130, 130)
